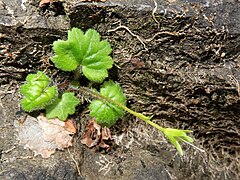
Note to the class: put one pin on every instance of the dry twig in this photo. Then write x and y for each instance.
(130, 32)
(142, 40)
(8, 150)
(76, 163)
(153, 13)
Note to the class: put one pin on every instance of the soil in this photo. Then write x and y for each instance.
(179, 62)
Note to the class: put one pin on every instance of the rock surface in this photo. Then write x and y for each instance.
(180, 63)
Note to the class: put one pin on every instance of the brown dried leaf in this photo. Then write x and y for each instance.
(44, 136)
(93, 0)
(70, 126)
(45, 2)
(95, 136)
(106, 136)
(92, 135)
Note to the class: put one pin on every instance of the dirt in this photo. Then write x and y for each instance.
(187, 76)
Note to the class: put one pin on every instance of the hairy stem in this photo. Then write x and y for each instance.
(77, 75)
(106, 99)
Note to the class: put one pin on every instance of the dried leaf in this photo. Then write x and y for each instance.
(44, 136)
(45, 2)
(106, 136)
(93, 0)
(91, 136)
(95, 136)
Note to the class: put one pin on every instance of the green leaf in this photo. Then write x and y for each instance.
(106, 113)
(68, 53)
(63, 107)
(86, 50)
(65, 58)
(95, 75)
(37, 93)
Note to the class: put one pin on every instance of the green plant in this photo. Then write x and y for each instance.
(38, 95)
(84, 50)
(92, 55)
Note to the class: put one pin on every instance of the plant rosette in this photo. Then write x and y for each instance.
(86, 53)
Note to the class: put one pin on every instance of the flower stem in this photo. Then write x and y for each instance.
(108, 100)
(174, 135)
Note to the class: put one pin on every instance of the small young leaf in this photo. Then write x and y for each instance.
(107, 114)
(37, 93)
(86, 50)
(61, 108)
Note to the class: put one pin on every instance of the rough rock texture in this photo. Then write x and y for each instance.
(180, 62)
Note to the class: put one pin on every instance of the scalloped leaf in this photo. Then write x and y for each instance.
(107, 114)
(37, 92)
(68, 53)
(86, 50)
(63, 107)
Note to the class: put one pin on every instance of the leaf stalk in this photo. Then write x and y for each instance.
(108, 100)
(174, 135)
